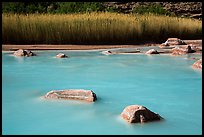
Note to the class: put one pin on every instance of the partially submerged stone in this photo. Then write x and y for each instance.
(198, 64)
(139, 114)
(61, 55)
(182, 50)
(26, 53)
(152, 51)
(107, 52)
(121, 51)
(76, 94)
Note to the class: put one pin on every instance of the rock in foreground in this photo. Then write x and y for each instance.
(76, 94)
(197, 64)
(139, 114)
(61, 55)
(26, 53)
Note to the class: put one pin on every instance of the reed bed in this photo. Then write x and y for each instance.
(95, 28)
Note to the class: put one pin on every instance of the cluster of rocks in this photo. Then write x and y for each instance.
(28, 53)
(132, 113)
(179, 47)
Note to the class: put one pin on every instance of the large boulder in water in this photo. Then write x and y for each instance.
(61, 55)
(22, 52)
(76, 94)
(152, 51)
(139, 114)
(198, 64)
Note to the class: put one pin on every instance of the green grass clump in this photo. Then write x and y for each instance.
(95, 28)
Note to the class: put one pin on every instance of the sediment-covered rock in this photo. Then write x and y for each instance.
(139, 114)
(61, 55)
(26, 53)
(152, 51)
(182, 50)
(197, 64)
(76, 94)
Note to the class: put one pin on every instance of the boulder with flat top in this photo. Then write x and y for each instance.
(139, 114)
(76, 94)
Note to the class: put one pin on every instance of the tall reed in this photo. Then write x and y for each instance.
(95, 28)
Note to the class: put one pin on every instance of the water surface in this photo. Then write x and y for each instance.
(165, 84)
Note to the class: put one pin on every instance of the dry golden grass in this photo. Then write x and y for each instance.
(95, 28)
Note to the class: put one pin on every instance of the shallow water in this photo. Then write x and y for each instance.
(167, 85)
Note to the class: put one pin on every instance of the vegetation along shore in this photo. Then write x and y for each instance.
(95, 28)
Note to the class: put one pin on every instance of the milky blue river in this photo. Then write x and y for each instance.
(165, 84)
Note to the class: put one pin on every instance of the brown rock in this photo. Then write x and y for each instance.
(22, 52)
(76, 94)
(61, 55)
(182, 50)
(137, 113)
(152, 51)
(197, 64)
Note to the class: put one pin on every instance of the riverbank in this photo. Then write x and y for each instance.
(9, 47)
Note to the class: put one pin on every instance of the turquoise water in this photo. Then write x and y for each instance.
(164, 84)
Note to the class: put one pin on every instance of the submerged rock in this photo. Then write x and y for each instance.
(26, 53)
(152, 51)
(76, 94)
(182, 50)
(198, 64)
(139, 114)
(61, 55)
